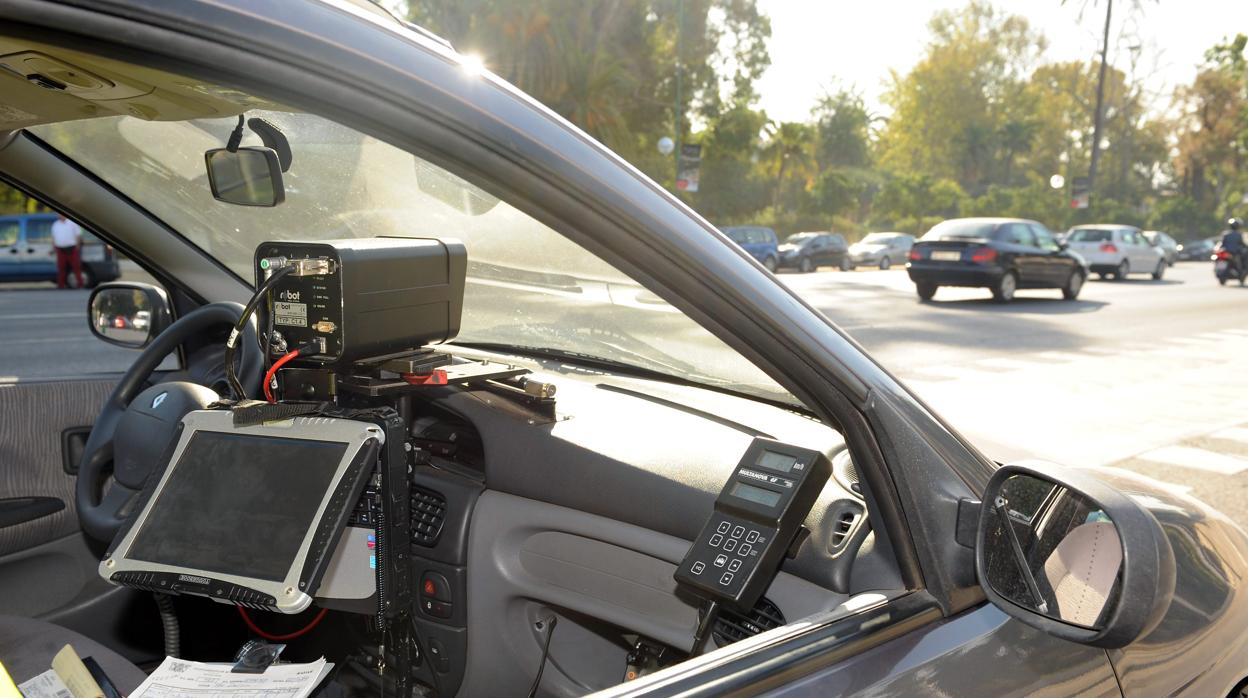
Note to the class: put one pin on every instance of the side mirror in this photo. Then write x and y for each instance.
(248, 176)
(128, 314)
(1063, 552)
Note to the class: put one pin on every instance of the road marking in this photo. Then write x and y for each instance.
(1233, 434)
(40, 316)
(1007, 364)
(1061, 356)
(1197, 458)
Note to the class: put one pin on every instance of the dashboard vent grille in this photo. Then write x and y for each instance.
(428, 513)
(843, 527)
(732, 625)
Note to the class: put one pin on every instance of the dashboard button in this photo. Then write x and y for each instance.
(752, 538)
(745, 550)
(730, 545)
(723, 527)
(716, 540)
(435, 609)
(699, 566)
(721, 560)
(738, 531)
(435, 586)
(726, 579)
(734, 565)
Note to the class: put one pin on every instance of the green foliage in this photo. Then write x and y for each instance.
(13, 201)
(1184, 218)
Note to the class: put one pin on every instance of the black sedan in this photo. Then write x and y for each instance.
(1196, 251)
(1000, 254)
(806, 252)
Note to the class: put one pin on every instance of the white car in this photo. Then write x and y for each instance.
(1116, 250)
(881, 249)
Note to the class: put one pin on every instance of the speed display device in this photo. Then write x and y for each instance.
(248, 515)
(756, 516)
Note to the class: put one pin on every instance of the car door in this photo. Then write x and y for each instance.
(1018, 242)
(1057, 267)
(39, 256)
(10, 250)
(1143, 256)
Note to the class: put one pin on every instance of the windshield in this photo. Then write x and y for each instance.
(961, 230)
(800, 238)
(1092, 235)
(877, 239)
(528, 286)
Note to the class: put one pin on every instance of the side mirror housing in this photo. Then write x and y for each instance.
(128, 314)
(248, 176)
(1063, 552)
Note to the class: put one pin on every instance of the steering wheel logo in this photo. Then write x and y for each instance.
(156, 402)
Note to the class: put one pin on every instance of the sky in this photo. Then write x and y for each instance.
(818, 46)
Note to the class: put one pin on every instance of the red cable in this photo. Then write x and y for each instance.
(279, 638)
(268, 377)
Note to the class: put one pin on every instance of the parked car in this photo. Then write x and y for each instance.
(1196, 250)
(26, 252)
(1116, 250)
(760, 242)
(881, 249)
(807, 252)
(544, 541)
(1168, 246)
(1000, 254)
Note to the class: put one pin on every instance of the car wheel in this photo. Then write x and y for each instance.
(885, 263)
(1003, 292)
(1160, 271)
(770, 264)
(1221, 280)
(1073, 285)
(846, 265)
(1123, 269)
(88, 279)
(925, 290)
(806, 266)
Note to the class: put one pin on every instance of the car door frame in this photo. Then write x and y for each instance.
(1023, 257)
(1058, 266)
(385, 81)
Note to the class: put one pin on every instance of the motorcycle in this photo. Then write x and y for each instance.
(1227, 266)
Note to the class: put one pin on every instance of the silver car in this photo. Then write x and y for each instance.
(881, 249)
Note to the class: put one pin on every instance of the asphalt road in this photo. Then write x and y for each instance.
(1150, 376)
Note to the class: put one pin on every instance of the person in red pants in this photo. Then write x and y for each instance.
(67, 239)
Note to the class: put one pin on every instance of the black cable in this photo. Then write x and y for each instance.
(268, 334)
(169, 622)
(706, 621)
(231, 375)
(550, 632)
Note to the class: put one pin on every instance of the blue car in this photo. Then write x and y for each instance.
(760, 242)
(26, 252)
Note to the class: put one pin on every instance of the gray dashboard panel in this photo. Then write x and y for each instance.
(603, 578)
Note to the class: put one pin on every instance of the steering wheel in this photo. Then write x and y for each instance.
(136, 426)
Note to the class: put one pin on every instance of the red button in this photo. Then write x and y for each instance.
(430, 589)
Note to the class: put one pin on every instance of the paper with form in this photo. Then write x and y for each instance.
(177, 677)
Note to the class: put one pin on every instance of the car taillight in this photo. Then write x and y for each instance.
(1109, 247)
(915, 255)
(984, 254)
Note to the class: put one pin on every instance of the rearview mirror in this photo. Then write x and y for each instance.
(248, 176)
(1063, 552)
(128, 314)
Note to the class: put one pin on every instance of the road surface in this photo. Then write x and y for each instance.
(1150, 376)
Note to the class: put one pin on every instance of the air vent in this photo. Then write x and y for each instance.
(428, 513)
(842, 527)
(732, 625)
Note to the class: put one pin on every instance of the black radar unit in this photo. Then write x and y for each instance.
(359, 299)
(756, 517)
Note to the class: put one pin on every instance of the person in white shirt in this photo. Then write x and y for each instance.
(67, 239)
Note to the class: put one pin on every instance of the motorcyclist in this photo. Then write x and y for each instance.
(1233, 241)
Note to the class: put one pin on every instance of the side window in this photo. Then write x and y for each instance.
(8, 233)
(1018, 234)
(46, 334)
(39, 231)
(757, 236)
(1044, 239)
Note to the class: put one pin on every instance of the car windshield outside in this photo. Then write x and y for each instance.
(879, 238)
(1092, 235)
(961, 230)
(800, 238)
(528, 286)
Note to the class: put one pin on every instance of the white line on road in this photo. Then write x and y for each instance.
(1198, 458)
(40, 316)
(1232, 434)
